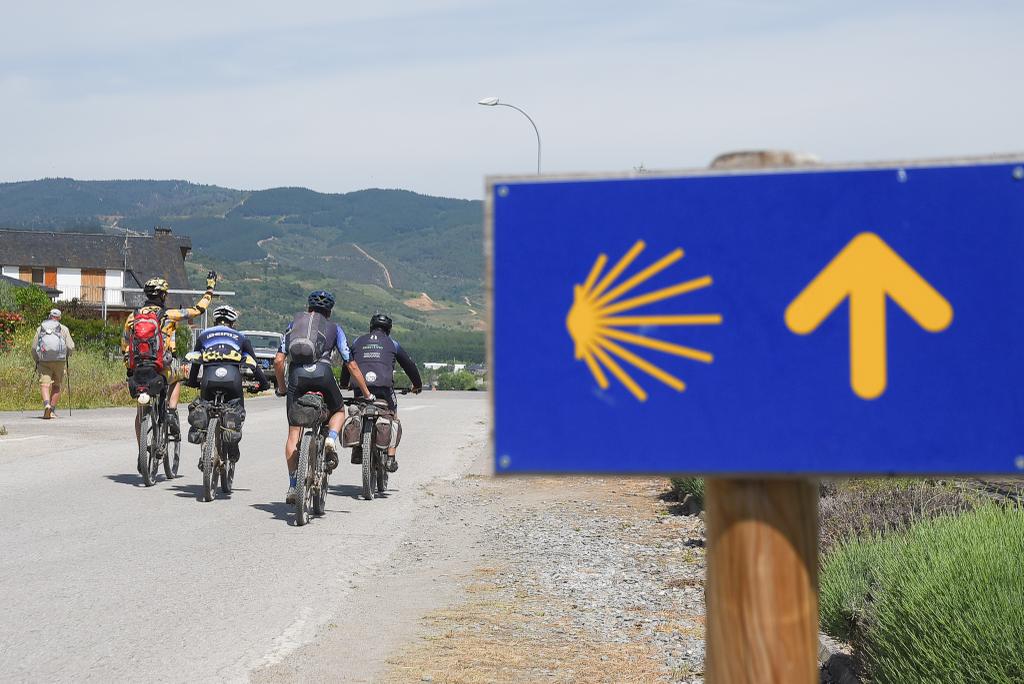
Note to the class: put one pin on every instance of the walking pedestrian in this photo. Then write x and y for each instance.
(52, 346)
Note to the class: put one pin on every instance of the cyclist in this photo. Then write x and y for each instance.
(155, 290)
(223, 350)
(309, 342)
(376, 353)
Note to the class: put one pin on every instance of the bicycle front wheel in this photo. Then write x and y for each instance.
(172, 458)
(210, 469)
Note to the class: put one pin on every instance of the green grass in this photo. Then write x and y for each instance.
(941, 602)
(97, 380)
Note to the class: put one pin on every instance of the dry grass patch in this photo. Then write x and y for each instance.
(498, 638)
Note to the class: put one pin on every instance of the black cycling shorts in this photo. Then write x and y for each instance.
(222, 377)
(318, 377)
(385, 393)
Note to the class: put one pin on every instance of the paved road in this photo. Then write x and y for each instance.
(104, 579)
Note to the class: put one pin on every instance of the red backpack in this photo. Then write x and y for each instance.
(145, 341)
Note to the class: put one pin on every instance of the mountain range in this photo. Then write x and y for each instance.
(418, 258)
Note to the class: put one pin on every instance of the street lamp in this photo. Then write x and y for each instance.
(494, 102)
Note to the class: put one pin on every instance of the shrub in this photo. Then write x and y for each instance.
(694, 486)
(9, 323)
(460, 380)
(93, 333)
(33, 303)
(941, 602)
(7, 300)
(865, 506)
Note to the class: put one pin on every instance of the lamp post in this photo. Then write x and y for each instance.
(494, 102)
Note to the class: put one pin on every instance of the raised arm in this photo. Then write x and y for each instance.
(200, 307)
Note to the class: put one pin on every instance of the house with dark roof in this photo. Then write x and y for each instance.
(96, 269)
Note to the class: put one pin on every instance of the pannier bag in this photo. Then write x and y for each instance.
(198, 414)
(50, 343)
(387, 433)
(145, 379)
(231, 419)
(307, 411)
(352, 431)
(307, 338)
(145, 341)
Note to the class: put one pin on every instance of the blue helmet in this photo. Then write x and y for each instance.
(322, 300)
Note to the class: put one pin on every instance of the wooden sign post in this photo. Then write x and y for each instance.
(762, 582)
(762, 560)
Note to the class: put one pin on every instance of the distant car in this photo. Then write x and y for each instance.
(265, 344)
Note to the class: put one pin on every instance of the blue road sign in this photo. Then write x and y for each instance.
(855, 320)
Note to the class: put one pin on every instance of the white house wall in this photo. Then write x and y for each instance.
(113, 282)
(69, 277)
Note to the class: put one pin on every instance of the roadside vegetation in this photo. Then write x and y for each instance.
(940, 601)
(96, 371)
(922, 578)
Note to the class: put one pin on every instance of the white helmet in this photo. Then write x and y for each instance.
(225, 313)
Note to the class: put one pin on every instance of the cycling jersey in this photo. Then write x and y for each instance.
(376, 353)
(224, 345)
(169, 321)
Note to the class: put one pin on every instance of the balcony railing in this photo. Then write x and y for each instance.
(99, 295)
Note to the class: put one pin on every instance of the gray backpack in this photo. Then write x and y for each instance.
(50, 342)
(306, 342)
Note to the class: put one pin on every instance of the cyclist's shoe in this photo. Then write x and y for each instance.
(357, 455)
(233, 454)
(200, 464)
(392, 464)
(330, 461)
(173, 425)
(196, 436)
(290, 496)
(47, 411)
(331, 446)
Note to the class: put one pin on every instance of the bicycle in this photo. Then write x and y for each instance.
(156, 445)
(312, 472)
(374, 447)
(219, 417)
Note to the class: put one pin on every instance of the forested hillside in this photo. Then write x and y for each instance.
(417, 257)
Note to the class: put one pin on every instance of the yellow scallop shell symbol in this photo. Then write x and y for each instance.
(593, 322)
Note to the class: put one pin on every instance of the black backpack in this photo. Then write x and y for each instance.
(307, 340)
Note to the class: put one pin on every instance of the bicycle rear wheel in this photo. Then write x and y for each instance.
(147, 442)
(304, 479)
(368, 469)
(320, 475)
(210, 469)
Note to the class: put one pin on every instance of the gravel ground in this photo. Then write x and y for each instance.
(582, 579)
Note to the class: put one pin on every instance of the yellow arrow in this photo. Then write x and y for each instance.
(867, 270)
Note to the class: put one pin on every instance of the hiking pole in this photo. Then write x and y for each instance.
(67, 372)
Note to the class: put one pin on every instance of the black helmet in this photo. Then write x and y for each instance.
(321, 300)
(225, 313)
(382, 321)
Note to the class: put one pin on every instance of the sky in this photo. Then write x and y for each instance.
(339, 96)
